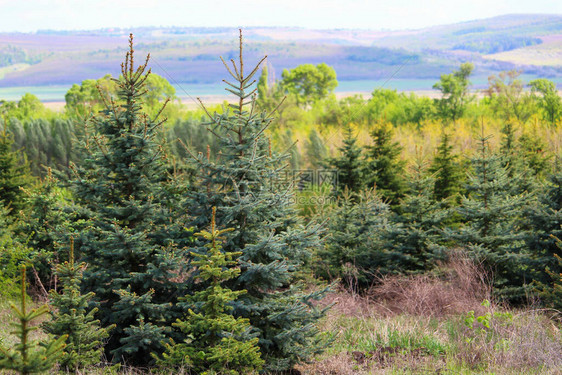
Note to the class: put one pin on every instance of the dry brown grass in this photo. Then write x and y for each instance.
(460, 285)
(416, 325)
(338, 364)
(355, 364)
(350, 304)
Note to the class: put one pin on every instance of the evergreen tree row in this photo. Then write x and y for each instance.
(495, 204)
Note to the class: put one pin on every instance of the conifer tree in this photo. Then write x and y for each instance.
(12, 254)
(523, 158)
(411, 241)
(492, 214)
(74, 319)
(551, 292)
(384, 167)
(315, 150)
(30, 356)
(534, 154)
(6, 228)
(354, 251)
(44, 225)
(215, 338)
(248, 185)
(544, 224)
(129, 247)
(349, 165)
(508, 143)
(447, 170)
(14, 174)
(284, 143)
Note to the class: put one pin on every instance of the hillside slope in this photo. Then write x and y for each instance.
(190, 55)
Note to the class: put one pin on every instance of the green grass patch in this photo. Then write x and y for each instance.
(396, 336)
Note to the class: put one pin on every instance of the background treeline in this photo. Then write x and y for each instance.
(311, 115)
(199, 252)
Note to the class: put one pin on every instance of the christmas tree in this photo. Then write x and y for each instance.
(315, 150)
(492, 214)
(544, 224)
(30, 356)
(13, 253)
(349, 165)
(44, 225)
(252, 190)
(534, 154)
(447, 170)
(411, 241)
(551, 292)
(508, 144)
(384, 168)
(133, 268)
(14, 175)
(354, 252)
(523, 158)
(215, 338)
(74, 319)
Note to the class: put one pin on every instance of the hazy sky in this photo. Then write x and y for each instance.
(31, 15)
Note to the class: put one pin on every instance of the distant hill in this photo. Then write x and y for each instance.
(532, 43)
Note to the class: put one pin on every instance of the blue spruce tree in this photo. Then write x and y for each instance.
(129, 251)
(355, 250)
(544, 221)
(246, 182)
(492, 215)
(349, 165)
(411, 241)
